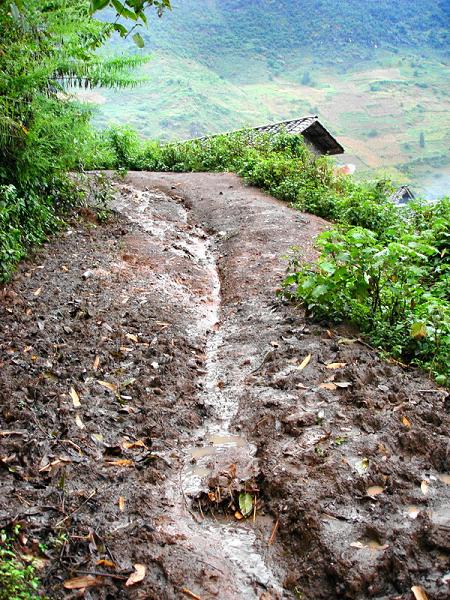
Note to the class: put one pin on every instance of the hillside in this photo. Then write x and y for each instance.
(375, 72)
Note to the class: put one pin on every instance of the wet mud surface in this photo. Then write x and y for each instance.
(150, 377)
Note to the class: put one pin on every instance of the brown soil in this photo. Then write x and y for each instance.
(172, 305)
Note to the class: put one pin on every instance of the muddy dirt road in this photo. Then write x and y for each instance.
(160, 407)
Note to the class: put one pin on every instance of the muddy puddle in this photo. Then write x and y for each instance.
(213, 447)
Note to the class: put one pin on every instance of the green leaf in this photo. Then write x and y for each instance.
(121, 29)
(123, 11)
(418, 331)
(245, 503)
(98, 5)
(137, 39)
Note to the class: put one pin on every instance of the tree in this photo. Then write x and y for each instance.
(48, 48)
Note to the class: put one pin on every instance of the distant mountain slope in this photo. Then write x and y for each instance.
(374, 71)
(206, 30)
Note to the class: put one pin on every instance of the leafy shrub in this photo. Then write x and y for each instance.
(24, 220)
(18, 581)
(395, 288)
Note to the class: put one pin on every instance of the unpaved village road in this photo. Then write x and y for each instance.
(150, 378)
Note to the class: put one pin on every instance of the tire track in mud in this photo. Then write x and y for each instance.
(231, 548)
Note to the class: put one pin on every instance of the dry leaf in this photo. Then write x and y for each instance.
(79, 422)
(238, 515)
(106, 563)
(328, 386)
(419, 592)
(190, 594)
(79, 583)
(304, 362)
(109, 386)
(75, 398)
(132, 337)
(121, 503)
(137, 576)
(336, 365)
(424, 486)
(357, 545)
(64, 268)
(375, 490)
(406, 422)
(37, 292)
(445, 478)
(137, 444)
(96, 363)
(343, 384)
(120, 462)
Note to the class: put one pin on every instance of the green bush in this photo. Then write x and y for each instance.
(24, 221)
(394, 287)
(18, 581)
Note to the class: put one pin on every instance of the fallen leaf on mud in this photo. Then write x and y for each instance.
(155, 365)
(79, 583)
(131, 445)
(121, 503)
(347, 341)
(328, 386)
(424, 486)
(212, 496)
(336, 365)
(120, 462)
(37, 292)
(343, 384)
(238, 516)
(304, 362)
(97, 437)
(375, 490)
(48, 467)
(413, 512)
(37, 562)
(370, 544)
(137, 576)
(106, 563)
(109, 386)
(96, 363)
(419, 592)
(75, 398)
(190, 594)
(445, 478)
(79, 422)
(245, 503)
(406, 422)
(274, 532)
(132, 337)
